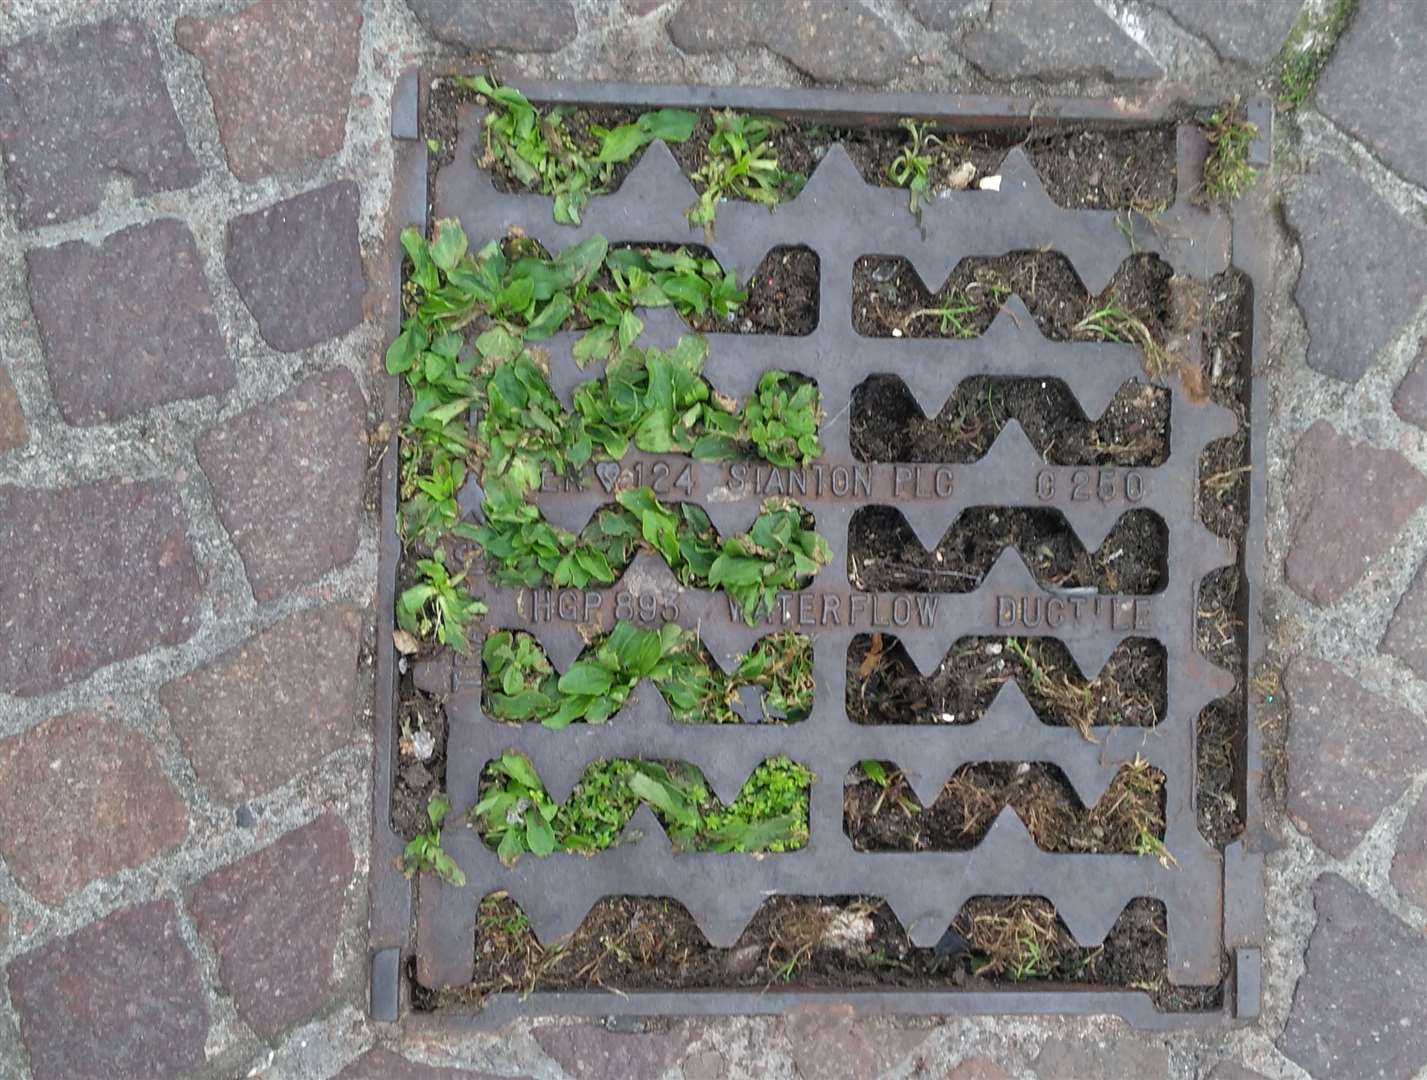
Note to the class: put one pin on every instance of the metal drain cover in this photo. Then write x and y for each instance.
(1212, 898)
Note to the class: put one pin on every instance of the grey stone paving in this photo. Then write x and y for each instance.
(1386, 35)
(189, 339)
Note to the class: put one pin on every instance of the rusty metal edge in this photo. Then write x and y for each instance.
(1134, 1007)
(388, 890)
(961, 111)
(1243, 884)
(1244, 893)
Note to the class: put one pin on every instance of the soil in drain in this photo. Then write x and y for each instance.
(1083, 168)
(884, 686)
(799, 942)
(881, 812)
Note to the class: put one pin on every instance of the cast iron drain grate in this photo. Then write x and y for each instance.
(1212, 898)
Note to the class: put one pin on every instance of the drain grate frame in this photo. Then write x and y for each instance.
(1213, 899)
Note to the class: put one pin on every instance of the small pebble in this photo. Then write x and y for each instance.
(245, 816)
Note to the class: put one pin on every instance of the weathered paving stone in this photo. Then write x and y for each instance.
(706, 1064)
(943, 15)
(587, 1052)
(828, 40)
(81, 110)
(1410, 399)
(287, 477)
(4, 925)
(380, 1064)
(517, 25)
(273, 707)
(120, 998)
(1249, 31)
(14, 433)
(82, 797)
(1409, 865)
(273, 918)
(1232, 1070)
(978, 1068)
(1406, 636)
(128, 324)
(1371, 86)
(1051, 39)
(1357, 1010)
(91, 575)
(1348, 501)
(280, 75)
(1096, 1059)
(1351, 754)
(833, 1041)
(298, 266)
(1351, 289)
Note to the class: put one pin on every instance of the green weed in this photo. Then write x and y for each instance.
(546, 156)
(423, 853)
(911, 168)
(522, 686)
(1307, 50)
(1227, 172)
(740, 165)
(515, 815)
(1111, 322)
(436, 604)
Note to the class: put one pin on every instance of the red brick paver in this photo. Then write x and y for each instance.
(272, 917)
(82, 797)
(120, 999)
(287, 477)
(298, 266)
(127, 324)
(280, 75)
(64, 610)
(257, 716)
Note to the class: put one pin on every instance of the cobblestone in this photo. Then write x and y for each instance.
(834, 1041)
(588, 1052)
(520, 25)
(1409, 865)
(280, 75)
(91, 575)
(1410, 400)
(1348, 502)
(298, 266)
(1370, 87)
(828, 40)
(14, 432)
(287, 478)
(272, 918)
(1342, 776)
(84, 110)
(1249, 32)
(1232, 1070)
(82, 797)
(942, 15)
(382, 1064)
(978, 1068)
(1406, 636)
(1099, 1059)
(1052, 40)
(1349, 1027)
(1350, 290)
(120, 998)
(259, 715)
(127, 324)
